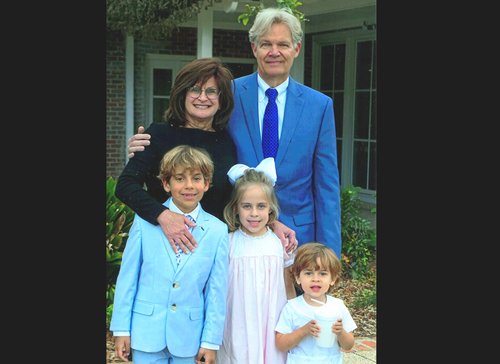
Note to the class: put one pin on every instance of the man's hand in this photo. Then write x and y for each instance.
(286, 235)
(174, 227)
(137, 142)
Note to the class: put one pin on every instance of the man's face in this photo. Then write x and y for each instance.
(275, 54)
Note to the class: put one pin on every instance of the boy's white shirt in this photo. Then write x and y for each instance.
(173, 207)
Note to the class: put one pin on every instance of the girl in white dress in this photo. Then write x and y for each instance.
(256, 289)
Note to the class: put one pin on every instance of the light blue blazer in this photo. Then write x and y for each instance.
(306, 164)
(165, 305)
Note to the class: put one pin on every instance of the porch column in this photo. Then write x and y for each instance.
(129, 90)
(205, 33)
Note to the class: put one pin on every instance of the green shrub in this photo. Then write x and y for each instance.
(119, 218)
(367, 297)
(358, 238)
(251, 10)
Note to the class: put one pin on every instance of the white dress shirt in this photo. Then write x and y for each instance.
(280, 102)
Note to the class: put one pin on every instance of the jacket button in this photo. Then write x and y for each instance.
(173, 307)
(176, 285)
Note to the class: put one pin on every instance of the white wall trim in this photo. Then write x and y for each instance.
(129, 90)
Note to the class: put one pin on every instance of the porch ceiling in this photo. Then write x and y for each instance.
(225, 13)
(309, 7)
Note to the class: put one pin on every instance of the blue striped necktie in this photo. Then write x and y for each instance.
(270, 125)
(179, 250)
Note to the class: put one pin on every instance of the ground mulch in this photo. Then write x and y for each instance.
(365, 317)
(347, 290)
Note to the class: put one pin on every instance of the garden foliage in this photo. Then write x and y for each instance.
(358, 237)
(118, 221)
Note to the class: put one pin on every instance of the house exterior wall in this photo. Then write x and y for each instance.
(227, 43)
(115, 103)
(231, 43)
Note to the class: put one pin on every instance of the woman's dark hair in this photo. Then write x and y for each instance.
(199, 71)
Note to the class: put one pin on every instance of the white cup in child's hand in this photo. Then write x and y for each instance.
(325, 319)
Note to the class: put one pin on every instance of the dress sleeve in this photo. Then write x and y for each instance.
(288, 258)
(139, 171)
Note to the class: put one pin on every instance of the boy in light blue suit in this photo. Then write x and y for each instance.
(168, 308)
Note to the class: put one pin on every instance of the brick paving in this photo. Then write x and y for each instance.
(364, 351)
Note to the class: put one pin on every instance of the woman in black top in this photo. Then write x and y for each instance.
(201, 102)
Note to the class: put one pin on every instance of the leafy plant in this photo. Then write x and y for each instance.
(367, 297)
(252, 10)
(358, 238)
(119, 218)
(151, 18)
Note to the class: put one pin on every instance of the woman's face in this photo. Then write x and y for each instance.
(201, 108)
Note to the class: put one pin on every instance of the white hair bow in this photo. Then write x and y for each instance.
(267, 167)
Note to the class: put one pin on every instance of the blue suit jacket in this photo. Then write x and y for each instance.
(163, 305)
(306, 164)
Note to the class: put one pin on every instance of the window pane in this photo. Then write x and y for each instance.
(159, 108)
(331, 83)
(339, 66)
(374, 67)
(364, 65)
(339, 158)
(365, 118)
(162, 82)
(360, 164)
(361, 116)
(338, 109)
(372, 183)
(326, 74)
(373, 116)
(240, 69)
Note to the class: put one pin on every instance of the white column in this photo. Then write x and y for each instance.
(205, 33)
(129, 90)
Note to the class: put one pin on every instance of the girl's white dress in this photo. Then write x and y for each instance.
(256, 295)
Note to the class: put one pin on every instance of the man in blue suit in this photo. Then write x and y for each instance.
(308, 179)
(171, 308)
(306, 162)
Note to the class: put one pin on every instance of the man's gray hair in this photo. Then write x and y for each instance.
(269, 16)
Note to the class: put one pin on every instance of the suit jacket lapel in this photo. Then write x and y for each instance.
(250, 105)
(293, 112)
(170, 251)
